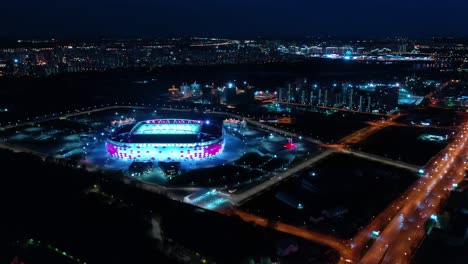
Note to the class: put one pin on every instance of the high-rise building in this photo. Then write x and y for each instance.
(286, 94)
(301, 91)
(346, 50)
(229, 95)
(282, 93)
(350, 97)
(387, 98)
(185, 90)
(195, 89)
(367, 101)
(402, 48)
(360, 50)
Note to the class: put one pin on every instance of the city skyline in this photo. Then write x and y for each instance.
(234, 132)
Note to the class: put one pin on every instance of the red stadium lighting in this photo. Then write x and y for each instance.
(290, 144)
(169, 135)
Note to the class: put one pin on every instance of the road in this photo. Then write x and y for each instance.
(413, 232)
(356, 244)
(383, 160)
(63, 116)
(400, 224)
(429, 95)
(258, 189)
(393, 221)
(362, 134)
(271, 128)
(330, 241)
(396, 241)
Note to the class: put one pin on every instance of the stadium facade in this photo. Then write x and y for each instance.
(166, 140)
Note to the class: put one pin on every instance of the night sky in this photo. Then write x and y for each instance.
(232, 18)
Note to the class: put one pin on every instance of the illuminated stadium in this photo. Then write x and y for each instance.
(166, 140)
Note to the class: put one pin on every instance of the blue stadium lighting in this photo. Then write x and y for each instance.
(230, 85)
(15, 60)
(215, 203)
(151, 129)
(147, 140)
(421, 171)
(434, 217)
(347, 57)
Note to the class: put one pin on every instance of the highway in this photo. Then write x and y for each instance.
(428, 96)
(413, 232)
(404, 229)
(400, 225)
(355, 245)
(391, 222)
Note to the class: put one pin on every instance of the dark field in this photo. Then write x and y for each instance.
(402, 143)
(437, 117)
(342, 196)
(328, 128)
